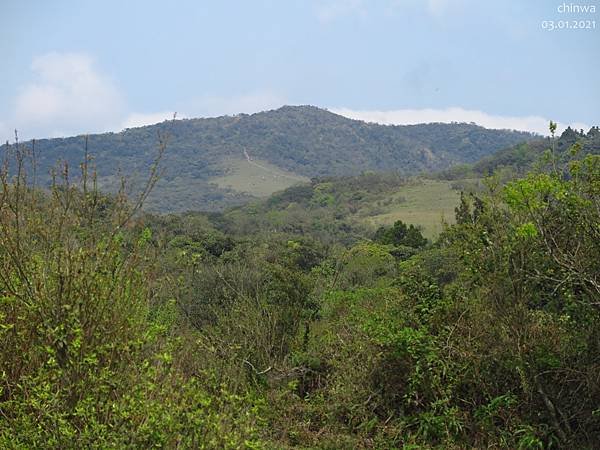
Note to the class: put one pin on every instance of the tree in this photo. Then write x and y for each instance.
(463, 211)
(400, 234)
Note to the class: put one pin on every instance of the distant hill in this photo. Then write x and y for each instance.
(520, 158)
(217, 162)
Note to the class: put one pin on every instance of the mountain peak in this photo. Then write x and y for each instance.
(215, 162)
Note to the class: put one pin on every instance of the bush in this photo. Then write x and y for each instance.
(85, 361)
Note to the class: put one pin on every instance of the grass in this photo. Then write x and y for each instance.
(256, 177)
(421, 202)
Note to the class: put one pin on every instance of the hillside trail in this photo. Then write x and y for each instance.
(272, 172)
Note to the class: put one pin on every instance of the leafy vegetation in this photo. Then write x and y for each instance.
(206, 166)
(89, 359)
(517, 160)
(400, 234)
(292, 323)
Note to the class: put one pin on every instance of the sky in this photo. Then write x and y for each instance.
(78, 66)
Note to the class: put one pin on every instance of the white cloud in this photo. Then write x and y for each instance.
(535, 124)
(212, 106)
(251, 102)
(68, 96)
(142, 119)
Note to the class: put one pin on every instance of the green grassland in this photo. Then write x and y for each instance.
(256, 177)
(343, 208)
(421, 202)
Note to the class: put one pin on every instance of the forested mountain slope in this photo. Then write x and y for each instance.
(520, 158)
(215, 162)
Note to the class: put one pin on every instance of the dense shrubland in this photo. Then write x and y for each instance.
(286, 325)
(91, 357)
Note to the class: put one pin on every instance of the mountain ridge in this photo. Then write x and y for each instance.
(205, 162)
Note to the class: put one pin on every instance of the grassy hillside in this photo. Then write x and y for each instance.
(345, 208)
(255, 177)
(204, 165)
(423, 202)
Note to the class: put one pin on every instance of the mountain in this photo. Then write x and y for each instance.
(521, 157)
(518, 159)
(211, 163)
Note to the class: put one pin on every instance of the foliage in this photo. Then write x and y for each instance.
(515, 161)
(304, 140)
(86, 361)
(280, 324)
(400, 234)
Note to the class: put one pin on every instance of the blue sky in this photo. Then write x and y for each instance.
(80, 66)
